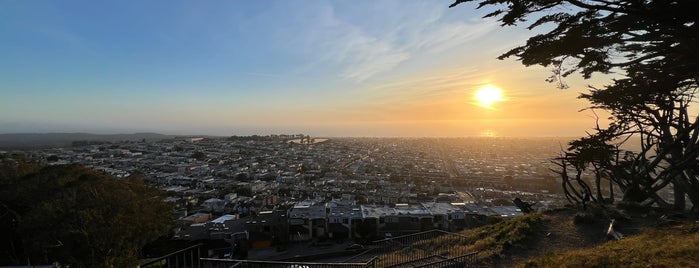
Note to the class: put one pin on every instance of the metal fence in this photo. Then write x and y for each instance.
(435, 248)
(431, 249)
(186, 258)
(222, 263)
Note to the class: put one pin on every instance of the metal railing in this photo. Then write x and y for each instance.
(186, 258)
(223, 263)
(425, 249)
(431, 249)
(468, 260)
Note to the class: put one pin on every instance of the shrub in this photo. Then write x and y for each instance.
(584, 218)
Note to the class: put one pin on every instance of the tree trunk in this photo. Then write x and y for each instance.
(598, 184)
(678, 188)
(611, 191)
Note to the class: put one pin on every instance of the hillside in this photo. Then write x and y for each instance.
(570, 238)
(670, 246)
(44, 140)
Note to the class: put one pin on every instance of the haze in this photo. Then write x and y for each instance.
(326, 68)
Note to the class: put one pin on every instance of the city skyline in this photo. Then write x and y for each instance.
(326, 68)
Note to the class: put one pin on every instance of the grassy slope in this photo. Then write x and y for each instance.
(676, 246)
(494, 240)
(491, 240)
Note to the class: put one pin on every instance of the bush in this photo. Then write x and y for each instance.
(494, 220)
(604, 212)
(584, 218)
(631, 206)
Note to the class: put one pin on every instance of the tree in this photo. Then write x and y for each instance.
(652, 46)
(198, 156)
(52, 158)
(79, 217)
(12, 168)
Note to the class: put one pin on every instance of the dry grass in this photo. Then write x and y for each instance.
(666, 247)
(490, 240)
(506, 242)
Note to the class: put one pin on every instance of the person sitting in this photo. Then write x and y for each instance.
(612, 233)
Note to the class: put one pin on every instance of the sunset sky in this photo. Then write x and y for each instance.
(323, 68)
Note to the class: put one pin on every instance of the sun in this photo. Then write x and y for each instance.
(488, 95)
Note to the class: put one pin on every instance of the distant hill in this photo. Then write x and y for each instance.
(47, 140)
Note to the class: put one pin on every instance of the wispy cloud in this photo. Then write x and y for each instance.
(370, 56)
(361, 50)
(446, 36)
(323, 35)
(437, 84)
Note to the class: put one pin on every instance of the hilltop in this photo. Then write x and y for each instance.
(570, 238)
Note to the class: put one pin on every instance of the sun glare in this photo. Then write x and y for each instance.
(488, 95)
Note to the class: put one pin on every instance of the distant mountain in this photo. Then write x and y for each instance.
(46, 140)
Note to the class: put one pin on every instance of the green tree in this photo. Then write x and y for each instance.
(651, 45)
(77, 216)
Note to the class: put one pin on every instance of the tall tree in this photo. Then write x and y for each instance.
(653, 45)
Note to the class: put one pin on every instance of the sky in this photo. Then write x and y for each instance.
(322, 68)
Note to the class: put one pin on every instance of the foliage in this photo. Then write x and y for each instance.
(77, 216)
(602, 214)
(649, 249)
(599, 36)
(12, 168)
(584, 218)
(651, 45)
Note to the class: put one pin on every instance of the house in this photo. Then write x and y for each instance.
(225, 226)
(268, 228)
(401, 219)
(214, 205)
(195, 218)
(373, 220)
(230, 197)
(446, 216)
(409, 218)
(340, 219)
(307, 220)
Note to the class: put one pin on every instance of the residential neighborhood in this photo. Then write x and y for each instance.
(281, 189)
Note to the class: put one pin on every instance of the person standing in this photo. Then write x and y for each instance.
(585, 199)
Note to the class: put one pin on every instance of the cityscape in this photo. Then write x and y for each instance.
(349, 134)
(285, 189)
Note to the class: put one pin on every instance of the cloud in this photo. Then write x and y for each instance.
(360, 49)
(447, 36)
(436, 84)
(323, 35)
(370, 56)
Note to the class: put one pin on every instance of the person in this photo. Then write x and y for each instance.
(612, 232)
(585, 199)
